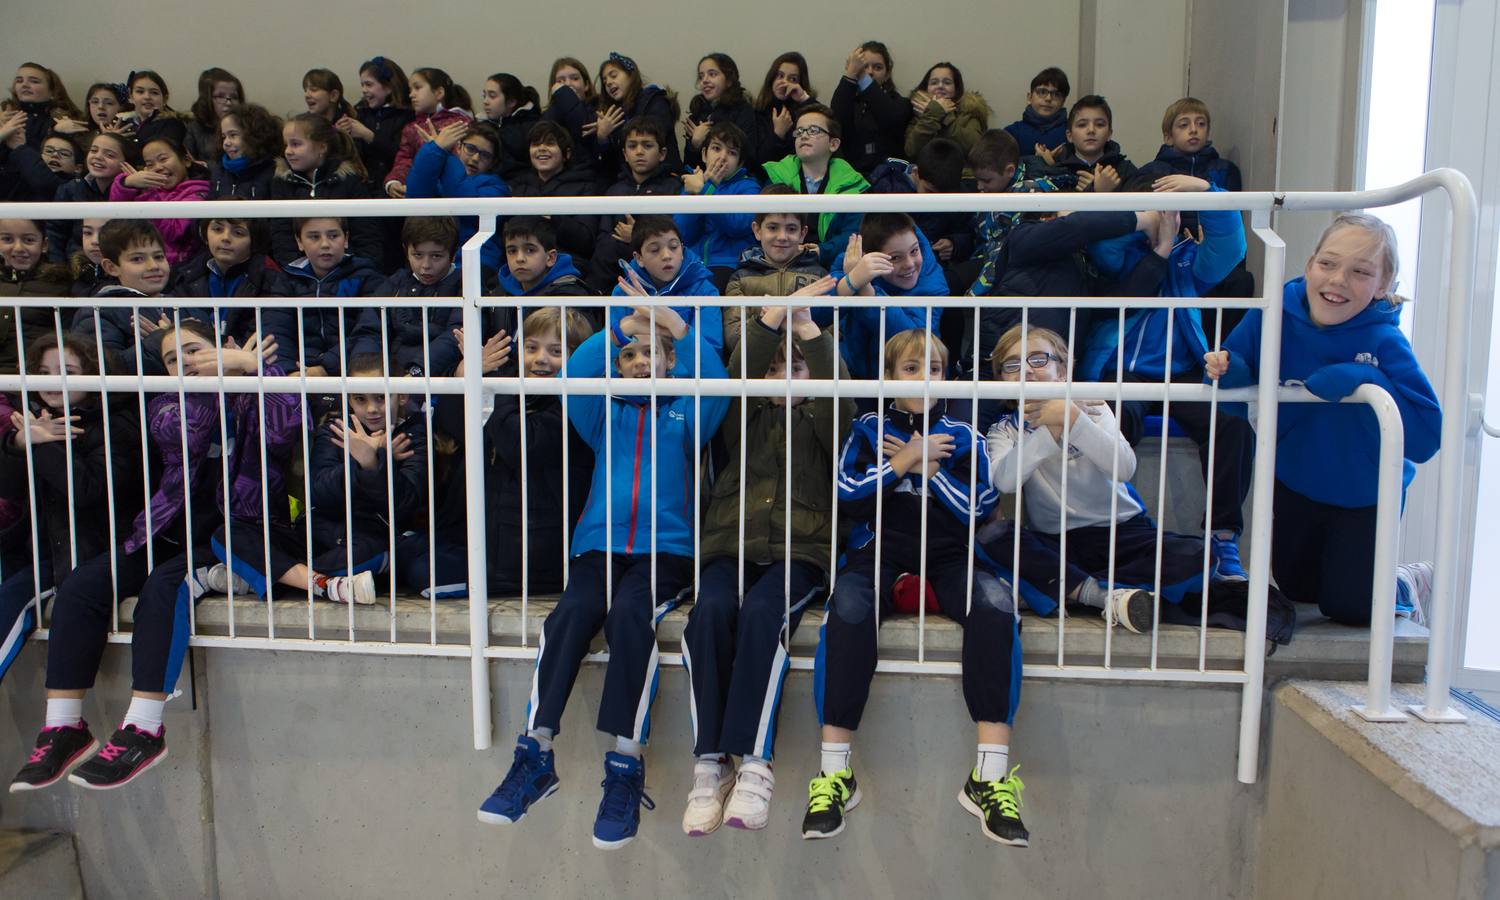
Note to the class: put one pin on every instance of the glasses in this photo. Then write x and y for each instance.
(1034, 360)
(57, 153)
(1047, 93)
(808, 131)
(483, 156)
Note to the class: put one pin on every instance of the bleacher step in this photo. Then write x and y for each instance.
(39, 865)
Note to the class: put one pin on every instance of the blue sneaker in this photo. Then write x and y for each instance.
(532, 778)
(624, 794)
(1227, 549)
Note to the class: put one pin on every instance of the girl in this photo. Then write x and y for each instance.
(785, 88)
(85, 263)
(107, 155)
(514, 108)
(25, 271)
(218, 92)
(249, 140)
(720, 98)
(320, 163)
(323, 91)
(551, 150)
(1341, 329)
(105, 102)
(872, 113)
(460, 161)
(623, 96)
(384, 110)
(436, 102)
(733, 645)
(39, 99)
(571, 104)
(941, 108)
(168, 173)
(45, 432)
(153, 117)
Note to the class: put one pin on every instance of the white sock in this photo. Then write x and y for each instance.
(63, 713)
(994, 759)
(1094, 593)
(756, 759)
(630, 748)
(711, 758)
(145, 714)
(835, 757)
(543, 737)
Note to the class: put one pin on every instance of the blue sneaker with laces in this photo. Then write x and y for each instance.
(620, 808)
(532, 778)
(1227, 549)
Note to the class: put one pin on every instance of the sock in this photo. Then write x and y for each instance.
(835, 757)
(714, 758)
(628, 747)
(319, 585)
(1093, 592)
(756, 759)
(993, 761)
(1232, 537)
(145, 714)
(543, 737)
(64, 713)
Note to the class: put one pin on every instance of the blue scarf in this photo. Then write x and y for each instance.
(233, 166)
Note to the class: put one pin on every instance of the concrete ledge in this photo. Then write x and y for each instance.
(39, 865)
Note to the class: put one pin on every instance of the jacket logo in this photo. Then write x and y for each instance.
(1368, 359)
(676, 414)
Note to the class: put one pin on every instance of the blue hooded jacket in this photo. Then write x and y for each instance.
(718, 239)
(1329, 453)
(562, 268)
(436, 172)
(623, 524)
(1192, 271)
(354, 276)
(694, 280)
(860, 339)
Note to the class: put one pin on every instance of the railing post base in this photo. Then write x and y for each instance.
(1449, 716)
(1389, 714)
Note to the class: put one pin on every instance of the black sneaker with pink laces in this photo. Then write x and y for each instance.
(57, 751)
(129, 753)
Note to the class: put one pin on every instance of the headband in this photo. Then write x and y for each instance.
(382, 71)
(623, 62)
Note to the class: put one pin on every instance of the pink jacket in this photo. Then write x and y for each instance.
(413, 139)
(179, 235)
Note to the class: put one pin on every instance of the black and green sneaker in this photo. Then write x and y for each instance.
(828, 798)
(997, 806)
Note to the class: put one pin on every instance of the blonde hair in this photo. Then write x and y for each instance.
(548, 320)
(1384, 235)
(1012, 339)
(1185, 106)
(910, 344)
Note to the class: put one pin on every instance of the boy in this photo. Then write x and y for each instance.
(1187, 150)
(1042, 128)
(552, 174)
(939, 169)
(234, 267)
(325, 269)
(719, 239)
(629, 512)
(1090, 161)
(660, 268)
(995, 160)
(430, 243)
(888, 258)
(533, 267)
(646, 172)
(888, 454)
(813, 169)
(782, 266)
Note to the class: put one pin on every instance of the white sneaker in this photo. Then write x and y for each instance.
(1418, 579)
(358, 589)
(216, 578)
(749, 805)
(705, 805)
(1131, 607)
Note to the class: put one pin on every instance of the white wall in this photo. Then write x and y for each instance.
(1138, 82)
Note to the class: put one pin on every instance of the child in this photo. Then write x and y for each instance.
(720, 98)
(660, 268)
(871, 112)
(1341, 330)
(66, 436)
(153, 118)
(998, 168)
(436, 102)
(646, 172)
(1025, 448)
(1192, 269)
(34, 175)
(624, 95)
(813, 169)
(460, 161)
(41, 99)
(550, 440)
(103, 103)
(86, 264)
(167, 174)
(888, 455)
(323, 92)
(25, 271)
(551, 175)
(1042, 128)
(942, 108)
(1187, 150)
(235, 267)
(630, 512)
(417, 341)
(785, 89)
(513, 108)
(326, 269)
(780, 267)
(899, 263)
(218, 92)
(383, 112)
(533, 267)
(735, 643)
(939, 168)
(249, 141)
(106, 157)
(320, 163)
(718, 239)
(1090, 158)
(571, 101)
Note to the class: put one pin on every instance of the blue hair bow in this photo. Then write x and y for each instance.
(623, 62)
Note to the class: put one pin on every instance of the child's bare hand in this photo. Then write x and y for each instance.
(1167, 224)
(142, 179)
(1048, 154)
(946, 105)
(1106, 179)
(892, 445)
(402, 449)
(855, 62)
(11, 124)
(451, 134)
(69, 126)
(631, 284)
(494, 353)
(695, 131)
(694, 181)
(853, 252)
(667, 320)
(44, 428)
(718, 170)
(781, 123)
(396, 189)
(870, 267)
(354, 128)
(1179, 184)
(820, 288)
(608, 121)
(797, 94)
(920, 101)
(1216, 363)
(625, 228)
(361, 444)
(427, 130)
(1050, 413)
(943, 248)
(145, 326)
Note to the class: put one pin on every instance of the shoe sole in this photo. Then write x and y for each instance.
(490, 818)
(74, 779)
(854, 799)
(726, 789)
(613, 845)
(743, 825)
(1138, 615)
(976, 812)
(20, 787)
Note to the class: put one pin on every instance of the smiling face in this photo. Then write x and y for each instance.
(661, 256)
(547, 159)
(324, 243)
(178, 352)
(228, 242)
(635, 360)
(105, 158)
(31, 85)
(23, 242)
(527, 260)
(372, 91)
(941, 83)
(1089, 132)
(225, 95)
(429, 261)
(788, 76)
(542, 356)
(616, 82)
(905, 252)
(424, 98)
(159, 157)
(147, 97)
(141, 267)
(51, 365)
(711, 80)
(643, 154)
(59, 155)
(302, 155)
(1041, 362)
(103, 106)
(780, 236)
(232, 137)
(1345, 275)
(1189, 132)
(320, 102)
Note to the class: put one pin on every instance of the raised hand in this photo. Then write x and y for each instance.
(608, 121)
(920, 101)
(781, 123)
(696, 132)
(13, 128)
(142, 179)
(493, 355)
(1106, 179)
(354, 128)
(694, 181)
(427, 130)
(362, 445)
(625, 228)
(44, 428)
(854, 63)
(631, 284)
(820, 288)
(451, 134)
(1216, 363)
(943, 247)
(401, 448)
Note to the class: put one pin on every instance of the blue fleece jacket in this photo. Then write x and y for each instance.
(1192, 271)
(324, 343)
(436, 172)
(693, 280)
(617, 515)
(1328, 453)
(718, 239)
(1032, 129)
(860, 339)
(561, 268)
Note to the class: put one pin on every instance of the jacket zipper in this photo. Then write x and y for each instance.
(635, 488)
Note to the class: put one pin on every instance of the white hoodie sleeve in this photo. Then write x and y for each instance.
(1095, 434)
(1005, 440)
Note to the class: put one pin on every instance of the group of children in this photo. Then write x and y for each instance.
(198, 484)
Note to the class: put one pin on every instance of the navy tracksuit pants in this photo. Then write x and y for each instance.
(18, 617)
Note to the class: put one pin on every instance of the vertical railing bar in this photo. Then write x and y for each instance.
(1161, 487)
(109, 474)
(1062, 532)
(1208, 502)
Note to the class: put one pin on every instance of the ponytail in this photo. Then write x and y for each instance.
(454, 96)
(341, 148)
(513, 89)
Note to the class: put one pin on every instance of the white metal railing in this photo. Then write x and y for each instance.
(475, 388)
